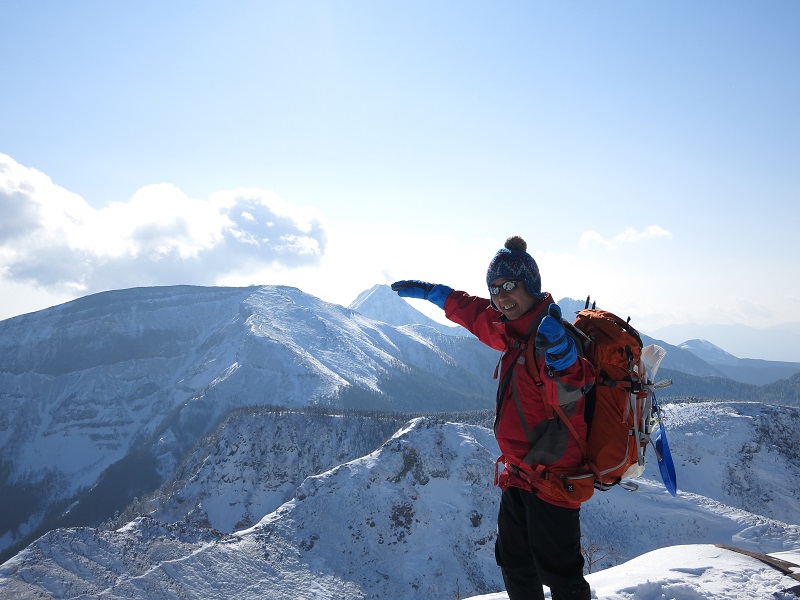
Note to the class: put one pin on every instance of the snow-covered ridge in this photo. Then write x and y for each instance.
(691, 571)
(257, 458)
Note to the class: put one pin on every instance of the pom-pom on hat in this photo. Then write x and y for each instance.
(513, 262)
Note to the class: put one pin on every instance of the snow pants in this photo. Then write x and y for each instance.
(539, 543)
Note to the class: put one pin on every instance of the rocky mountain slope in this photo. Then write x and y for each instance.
(257, 458)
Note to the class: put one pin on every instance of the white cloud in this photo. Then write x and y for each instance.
(52, 238)
(358, 256)
(627, 236)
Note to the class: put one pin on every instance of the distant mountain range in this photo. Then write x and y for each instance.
(746, 370)
(698, 358)
(776, 343)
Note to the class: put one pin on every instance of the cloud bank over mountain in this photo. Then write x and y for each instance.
(54, 239)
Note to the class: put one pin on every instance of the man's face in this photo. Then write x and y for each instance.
(512, 303)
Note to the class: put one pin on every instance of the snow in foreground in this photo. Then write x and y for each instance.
(694, 572)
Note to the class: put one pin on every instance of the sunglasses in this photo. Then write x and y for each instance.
(506, 285)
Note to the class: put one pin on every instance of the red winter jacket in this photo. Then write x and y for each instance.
(529, 434)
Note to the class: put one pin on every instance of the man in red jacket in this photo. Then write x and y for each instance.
(539, 536)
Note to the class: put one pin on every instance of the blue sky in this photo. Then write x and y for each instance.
(647, 151)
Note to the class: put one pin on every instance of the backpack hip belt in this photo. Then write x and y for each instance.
(571, 486)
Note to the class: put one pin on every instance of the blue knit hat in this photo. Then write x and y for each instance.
(513, 262)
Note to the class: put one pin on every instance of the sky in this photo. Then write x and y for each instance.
(648, 152)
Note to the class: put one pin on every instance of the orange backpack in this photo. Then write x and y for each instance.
(620, 411)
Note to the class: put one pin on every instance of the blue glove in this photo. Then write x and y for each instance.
(559, 348)
(433, 292)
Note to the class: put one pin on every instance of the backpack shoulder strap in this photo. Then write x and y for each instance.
(532, 366)
(582, 340)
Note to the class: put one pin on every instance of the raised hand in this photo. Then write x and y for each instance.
(551, 338)
(413, 288)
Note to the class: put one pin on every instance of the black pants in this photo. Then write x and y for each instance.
(539, 543)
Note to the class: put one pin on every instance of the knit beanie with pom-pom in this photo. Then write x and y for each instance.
(513, 262)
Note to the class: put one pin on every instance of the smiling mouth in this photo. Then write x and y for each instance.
(508, 306)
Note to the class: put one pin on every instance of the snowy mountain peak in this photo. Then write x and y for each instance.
(382, 304)
(708, 351)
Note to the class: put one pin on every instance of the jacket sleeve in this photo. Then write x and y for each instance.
(478, 317)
